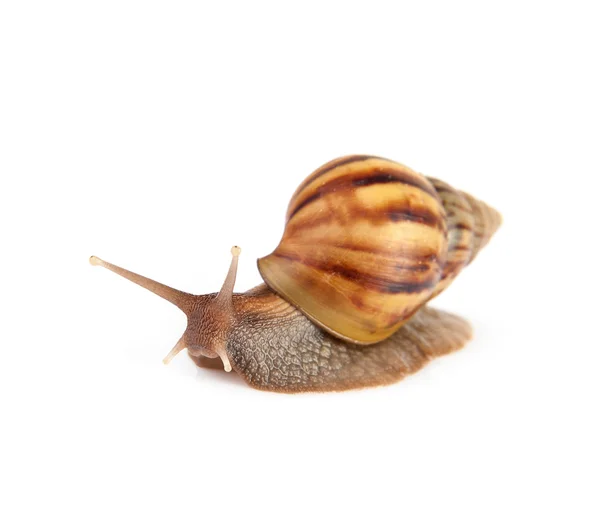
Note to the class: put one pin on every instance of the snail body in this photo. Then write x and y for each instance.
(367, 243)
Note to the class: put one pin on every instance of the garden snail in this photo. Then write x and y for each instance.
(367, 243)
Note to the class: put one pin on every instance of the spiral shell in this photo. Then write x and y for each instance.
(364, 247)
(470, 223)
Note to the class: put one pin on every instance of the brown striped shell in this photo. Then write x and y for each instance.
(470, 223)
(368, 241)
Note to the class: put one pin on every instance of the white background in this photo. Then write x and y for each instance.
(158, 134)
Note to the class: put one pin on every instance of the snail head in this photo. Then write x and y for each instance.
(210, 317)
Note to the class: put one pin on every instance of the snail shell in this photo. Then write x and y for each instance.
(368, 241)
(364, 247)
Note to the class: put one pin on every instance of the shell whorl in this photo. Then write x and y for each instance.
(368, 241)
(487, 222)
(470, 223)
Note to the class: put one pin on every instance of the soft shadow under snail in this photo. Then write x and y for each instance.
(367, 243)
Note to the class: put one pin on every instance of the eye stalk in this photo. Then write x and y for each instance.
(179, 298)
(210, 317)
(225, 295)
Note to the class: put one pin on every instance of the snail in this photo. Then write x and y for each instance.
(367, 243)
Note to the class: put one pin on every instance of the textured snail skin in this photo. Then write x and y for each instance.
(274, 347)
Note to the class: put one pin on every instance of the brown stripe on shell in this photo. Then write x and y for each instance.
(394, 212)
(372, 282)
(361, 257)
(466, 227)
(370, 176)
(330, 166)
(460, 224)
(422, 215)
(424, 256)
(479, 229)
(305, 202)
